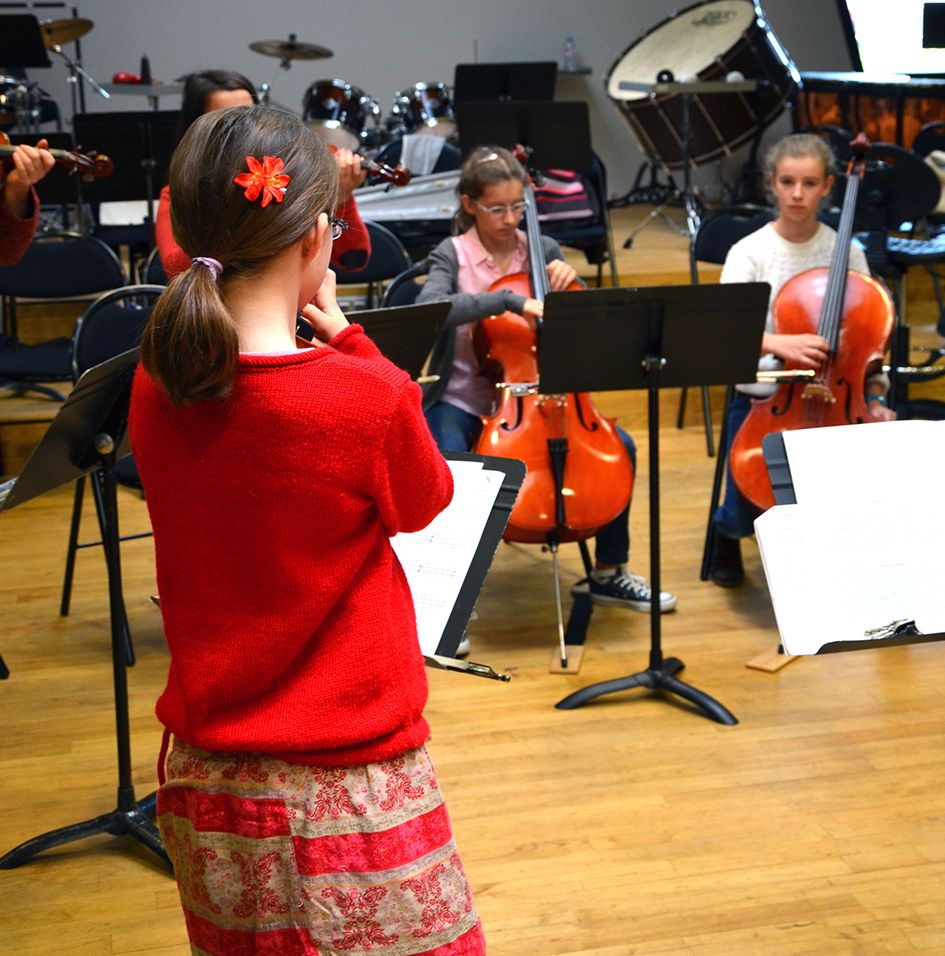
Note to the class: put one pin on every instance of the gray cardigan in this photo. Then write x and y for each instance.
(466, 307)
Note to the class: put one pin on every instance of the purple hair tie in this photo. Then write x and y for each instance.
(212, 264)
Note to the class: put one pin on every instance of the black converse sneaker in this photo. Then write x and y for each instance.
(623, 589)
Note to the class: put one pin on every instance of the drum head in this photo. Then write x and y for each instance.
(685, 44)
(705, 43)
(337, 111)
(424, 110)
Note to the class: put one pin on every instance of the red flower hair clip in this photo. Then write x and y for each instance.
(265, 179)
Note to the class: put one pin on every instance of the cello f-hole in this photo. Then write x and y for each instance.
(790, 398)
(506, 426)
(579, 408)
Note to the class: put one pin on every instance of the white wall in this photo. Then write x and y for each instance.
(386, 47)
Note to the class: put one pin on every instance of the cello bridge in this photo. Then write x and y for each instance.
(818, 392)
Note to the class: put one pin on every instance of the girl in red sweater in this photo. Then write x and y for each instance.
(299, 806)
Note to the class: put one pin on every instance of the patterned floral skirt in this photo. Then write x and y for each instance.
(280, 858)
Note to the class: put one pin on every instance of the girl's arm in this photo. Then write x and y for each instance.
(413, 481)
(467, 306)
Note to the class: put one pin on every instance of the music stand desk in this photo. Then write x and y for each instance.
(405, 334)
(558, 133)
(652, 338)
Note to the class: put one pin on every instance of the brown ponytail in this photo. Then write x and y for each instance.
(190, 346)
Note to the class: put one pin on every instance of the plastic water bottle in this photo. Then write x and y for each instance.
(568, 64)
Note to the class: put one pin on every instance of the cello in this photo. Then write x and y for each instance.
(854, 313)
(579, 473)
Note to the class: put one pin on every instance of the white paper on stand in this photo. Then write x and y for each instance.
(860, 549)
(436, 559)
(836, 573)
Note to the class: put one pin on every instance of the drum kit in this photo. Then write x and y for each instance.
(23, 104)
(346, 116)
(677, 87)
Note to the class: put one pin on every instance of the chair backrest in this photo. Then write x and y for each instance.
(931, 136)
(61, 265)
(112, 324)
(595, 180)
(404, 288)
(720, 231)
(153, 272)
(388, 258)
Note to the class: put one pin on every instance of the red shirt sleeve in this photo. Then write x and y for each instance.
(352, 249)
(173, 258)
(15, 233)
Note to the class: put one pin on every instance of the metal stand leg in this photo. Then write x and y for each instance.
(660, 675)
(130, 817)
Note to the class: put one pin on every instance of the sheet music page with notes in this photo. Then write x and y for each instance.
(861, 548)
(437, 558)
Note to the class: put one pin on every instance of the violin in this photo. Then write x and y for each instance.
(89, 166)
(398, 175)
(854, 313)
(579, 473)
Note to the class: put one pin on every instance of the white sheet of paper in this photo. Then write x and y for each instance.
(834, 573)
(437, 558)
(850, 463)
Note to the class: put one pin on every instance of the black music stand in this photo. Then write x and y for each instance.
(405, 334)
(90, 432)
(139, 144)
(653, 338)
(558, 134)
(481, 82)
(21, 42)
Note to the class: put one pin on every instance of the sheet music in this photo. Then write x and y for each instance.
(437, 558)
(860, 549)
(855, 462)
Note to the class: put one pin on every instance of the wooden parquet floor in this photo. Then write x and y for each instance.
(633, 825)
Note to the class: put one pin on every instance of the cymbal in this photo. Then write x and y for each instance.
(57, 32)
(291, 49)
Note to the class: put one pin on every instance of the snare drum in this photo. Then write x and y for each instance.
(707, 41)
(339, 113)
(424, 109)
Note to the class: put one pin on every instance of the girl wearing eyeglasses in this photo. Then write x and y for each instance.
(488, 245)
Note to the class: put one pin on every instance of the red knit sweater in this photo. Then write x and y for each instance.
(288, 617)
(15, 233)
(350, 251)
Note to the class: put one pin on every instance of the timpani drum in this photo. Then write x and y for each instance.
(425, 110)
(709, 42)
(338, 112)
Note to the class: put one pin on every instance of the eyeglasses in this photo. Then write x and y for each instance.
(338, 226)
(517, 209)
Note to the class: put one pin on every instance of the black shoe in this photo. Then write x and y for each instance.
(725, 562)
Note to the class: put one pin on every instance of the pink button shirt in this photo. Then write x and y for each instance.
(467, 388)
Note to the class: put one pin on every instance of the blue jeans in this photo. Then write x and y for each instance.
(456, 430)
(735, 517)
